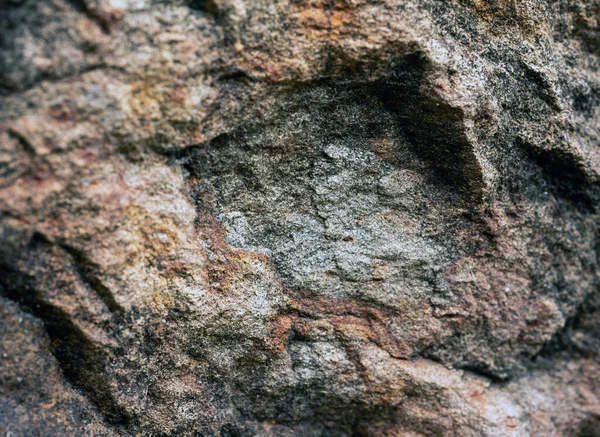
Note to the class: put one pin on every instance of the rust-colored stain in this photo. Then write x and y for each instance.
(228, 264)
(350, 320)
(325, 20)
(384, 149)
(279, 332)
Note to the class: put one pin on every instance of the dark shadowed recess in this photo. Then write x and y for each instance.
(434, 129)
(566, 175)
(80, 358)
(208, 6)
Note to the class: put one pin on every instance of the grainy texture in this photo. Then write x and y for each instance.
(299, 218)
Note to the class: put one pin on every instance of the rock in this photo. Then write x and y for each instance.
(316, 218)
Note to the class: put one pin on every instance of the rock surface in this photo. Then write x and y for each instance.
(299, 218)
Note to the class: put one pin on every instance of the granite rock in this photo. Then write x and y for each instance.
(300, 217)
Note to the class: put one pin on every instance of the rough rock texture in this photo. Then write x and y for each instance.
(299, 218)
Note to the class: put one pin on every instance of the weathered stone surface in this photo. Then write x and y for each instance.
(299, 217)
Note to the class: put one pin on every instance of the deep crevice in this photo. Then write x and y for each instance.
(566, 174)
(83, 7)
(80, 359)
(586, 319)
(210, 7)
(436, 129)
(86, 271)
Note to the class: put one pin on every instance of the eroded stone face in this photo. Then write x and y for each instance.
(337, 199)
(299, 218)
(340, 196)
